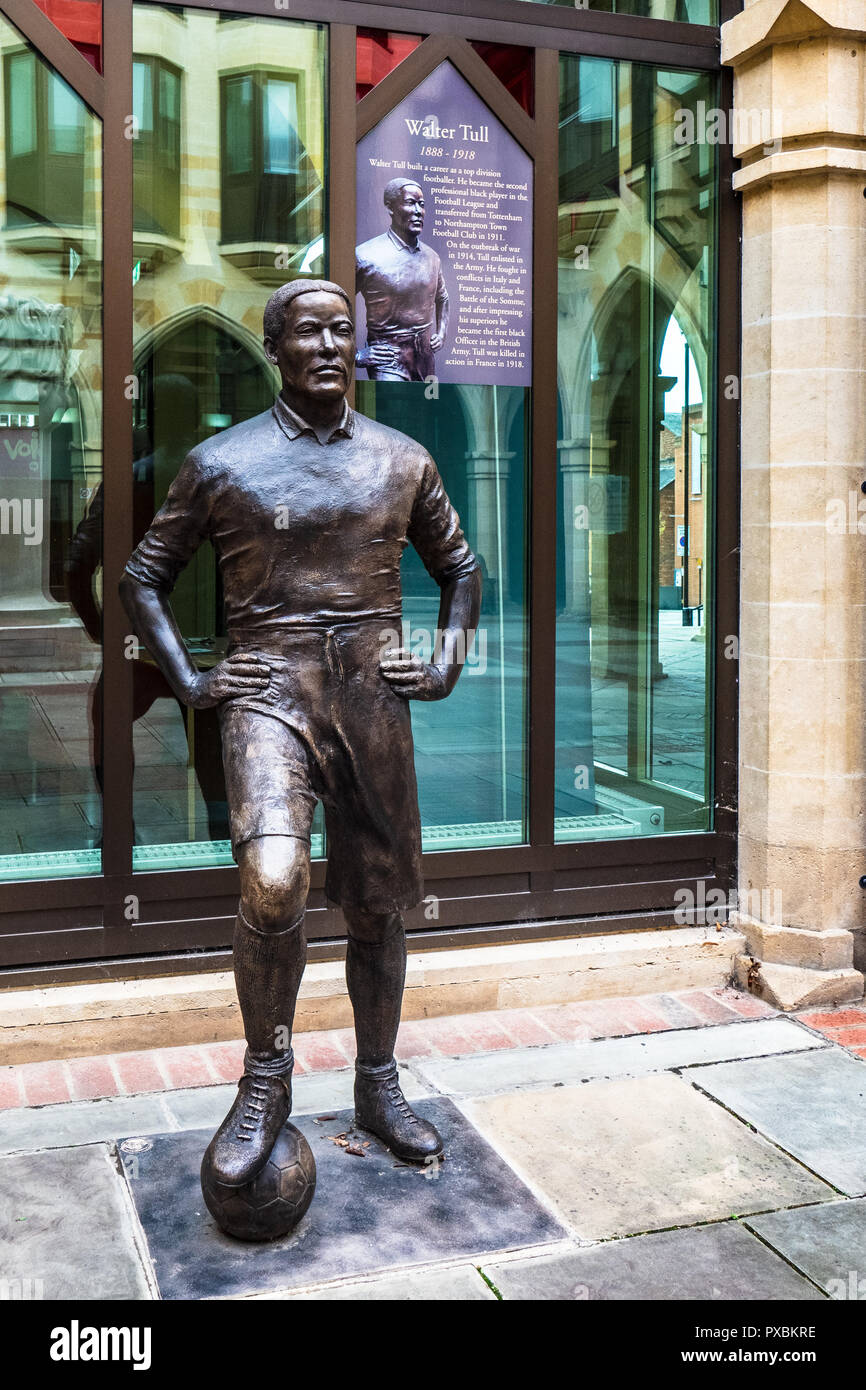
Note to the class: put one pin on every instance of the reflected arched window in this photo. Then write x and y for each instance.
(196, 380)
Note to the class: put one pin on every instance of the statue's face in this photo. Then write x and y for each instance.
(407, 214)
(316, 350)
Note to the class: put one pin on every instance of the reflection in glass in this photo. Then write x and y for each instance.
(272, 195)
(81, 22)
(636, 275)
(378, 52)
(50, 472)
(470, 748)
(156, 150)
(683, 11)
(219, 224)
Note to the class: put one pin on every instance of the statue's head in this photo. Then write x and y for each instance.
(309, 335)
(405, 202)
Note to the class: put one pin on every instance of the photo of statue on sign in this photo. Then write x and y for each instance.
(444, 242)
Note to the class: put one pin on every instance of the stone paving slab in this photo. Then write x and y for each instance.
(461, 1285)
(65, 1220)
(827, 1242)
(81, 1122)
(95, 1121)
(629, 1156)
(635, 1056)
(721, 1261)
(813, 1105)
(368, 1215)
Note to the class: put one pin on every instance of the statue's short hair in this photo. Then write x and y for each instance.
(274, 317)
(394, 188)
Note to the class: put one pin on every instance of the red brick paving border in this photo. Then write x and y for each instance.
(846, 1026)
(210, 1064)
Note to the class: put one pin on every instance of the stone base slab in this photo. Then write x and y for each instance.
(791, 987)
(128, 1015)
(832, 949)
(366, 1217)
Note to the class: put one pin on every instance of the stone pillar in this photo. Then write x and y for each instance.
(801, 64)
(574, 462)
(487, 476)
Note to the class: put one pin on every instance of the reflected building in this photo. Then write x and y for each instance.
(50, 460)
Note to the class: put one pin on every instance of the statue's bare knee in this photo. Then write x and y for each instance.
(275, 880)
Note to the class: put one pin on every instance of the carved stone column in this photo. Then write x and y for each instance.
(802, 847)
(487, 476)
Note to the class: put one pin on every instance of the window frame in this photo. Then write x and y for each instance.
(53, 929)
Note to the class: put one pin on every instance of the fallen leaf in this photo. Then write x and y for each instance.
(356, 1150)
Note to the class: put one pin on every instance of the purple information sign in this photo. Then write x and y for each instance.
(444, 271)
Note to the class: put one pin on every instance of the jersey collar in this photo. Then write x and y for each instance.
(294, 425)
(404, 245)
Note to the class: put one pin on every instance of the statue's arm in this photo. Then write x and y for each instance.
(154, 623)
(459, 607)
(435, 532)
(174, 535)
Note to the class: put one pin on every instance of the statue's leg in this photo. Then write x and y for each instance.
(270, 948)
(375, 974)
(269, 956)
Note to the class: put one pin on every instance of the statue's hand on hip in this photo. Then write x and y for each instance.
(411, 677)
(381, 355)
(237, 675)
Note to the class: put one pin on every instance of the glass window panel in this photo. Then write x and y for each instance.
(142, 96)
(683, 11)
(169, 95)
(50, 483)
(281, 119)
(66, 117)
(169, 117)
(597, 83)
(238, 153)
(22, 104)
(253, 93)
(636, 313)
(81, 22)
(272, 191)
(514, 67)
(379, 52)
(156, 151)
(470, 748)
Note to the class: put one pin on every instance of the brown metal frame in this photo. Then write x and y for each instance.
(77, 928)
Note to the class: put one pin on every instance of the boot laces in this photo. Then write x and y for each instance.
(257, 1096)
(399, 1101)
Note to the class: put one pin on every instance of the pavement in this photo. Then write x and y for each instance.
(671, 1147)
